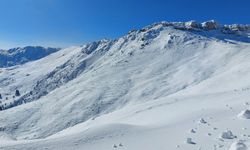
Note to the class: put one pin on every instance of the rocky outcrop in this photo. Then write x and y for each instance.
(192, 24)
(207, 26)
(210, 25)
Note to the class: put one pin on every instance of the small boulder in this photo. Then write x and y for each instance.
(245, 114)
(115, 146)
(190, 141)
(192, 131)
(227, 135)
(203, 121)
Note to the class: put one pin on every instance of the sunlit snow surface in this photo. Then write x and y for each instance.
(154, 89)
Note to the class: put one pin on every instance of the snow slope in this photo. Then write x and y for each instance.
(166, 86)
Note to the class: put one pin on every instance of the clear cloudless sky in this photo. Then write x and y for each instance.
(63, 23)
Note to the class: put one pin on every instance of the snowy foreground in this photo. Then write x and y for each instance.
(159, 88)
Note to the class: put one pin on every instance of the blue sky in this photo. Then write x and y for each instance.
(63, 23)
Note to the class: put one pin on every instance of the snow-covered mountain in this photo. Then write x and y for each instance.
(170, 85)
(17, 56)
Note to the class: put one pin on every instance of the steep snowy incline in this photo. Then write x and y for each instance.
(25, 76)
(38, 78)
(153, 69)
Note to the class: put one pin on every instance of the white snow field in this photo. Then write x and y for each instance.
(168, 86)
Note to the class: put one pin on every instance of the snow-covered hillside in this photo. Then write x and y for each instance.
(17, 56)
(167, 86)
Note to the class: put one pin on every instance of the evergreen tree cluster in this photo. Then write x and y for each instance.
(5, 105)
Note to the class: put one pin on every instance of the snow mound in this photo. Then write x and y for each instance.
(6, 137)
(238, 146)
(245, 114)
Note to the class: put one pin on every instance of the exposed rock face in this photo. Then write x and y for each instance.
(208, 25)
(192, 24)
(239, 27)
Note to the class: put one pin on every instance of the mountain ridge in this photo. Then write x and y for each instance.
(143, 37)
(18, 56)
